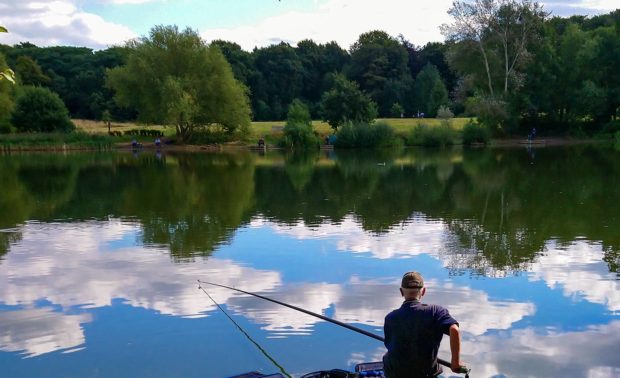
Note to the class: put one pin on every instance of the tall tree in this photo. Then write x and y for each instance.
(429, 91)
(376, 59)
(173, 78)
(502, 31)
(278, 80)
(318, 62)
(346, 102)
(239, 59)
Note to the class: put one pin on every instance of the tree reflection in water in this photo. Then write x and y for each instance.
(500, 205)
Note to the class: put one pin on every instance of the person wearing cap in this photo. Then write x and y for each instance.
(413, 334)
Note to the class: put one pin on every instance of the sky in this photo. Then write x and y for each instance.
(99, 24)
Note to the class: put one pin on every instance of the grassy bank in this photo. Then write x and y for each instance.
(55, 141)
(94, 134)
(270, 130)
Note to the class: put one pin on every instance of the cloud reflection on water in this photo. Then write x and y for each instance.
(37, 331)
(533, 352)
(75, 265)
(580, 271)
(578, 268)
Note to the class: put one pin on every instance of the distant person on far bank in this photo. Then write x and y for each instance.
(413, 334)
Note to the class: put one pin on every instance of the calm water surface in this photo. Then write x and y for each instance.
(100, 256)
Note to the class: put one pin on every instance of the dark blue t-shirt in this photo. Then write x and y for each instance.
(412, 337)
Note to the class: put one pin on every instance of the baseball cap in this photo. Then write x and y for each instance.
(412, 280)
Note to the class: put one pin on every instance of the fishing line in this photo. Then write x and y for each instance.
(463, 370)
(263, 351)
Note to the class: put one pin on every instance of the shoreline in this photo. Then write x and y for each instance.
(126, 146)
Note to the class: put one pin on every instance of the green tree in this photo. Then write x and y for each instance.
(29, 72)
(173, 78)
(346, 102)
(397, 110)
(318, 62)
(240, 60)
(298, 131)
(501, 31)
(39, 109)
(429, 91)
(278, 80)
(376, 59)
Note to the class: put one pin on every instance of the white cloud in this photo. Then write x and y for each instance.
(580, 271)
(420, 236)
(79, 269)
(143, 277)
(60, 22)
(147, 278)
(343, 21)
(533, 352)
(38, 331)
(602, 5)
(130, 1)
(367, 302)
(538, 353)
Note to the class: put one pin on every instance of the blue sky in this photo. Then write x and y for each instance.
(102, 23)
(212, 13)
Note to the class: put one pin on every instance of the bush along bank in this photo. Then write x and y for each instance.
(366, 135)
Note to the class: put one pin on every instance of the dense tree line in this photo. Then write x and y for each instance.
(516, 69)
(382, 66)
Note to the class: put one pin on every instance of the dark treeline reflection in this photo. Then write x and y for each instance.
(502, 206)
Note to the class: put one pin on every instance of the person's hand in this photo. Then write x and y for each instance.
(457, 367)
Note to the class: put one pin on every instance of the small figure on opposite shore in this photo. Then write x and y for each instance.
(413, 334)
(157, 142)
(261, 142)
(135, 143)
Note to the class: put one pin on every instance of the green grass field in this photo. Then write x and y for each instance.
(271, 131)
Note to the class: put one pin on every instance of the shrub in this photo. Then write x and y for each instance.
(396, 110)
(40, 110)
(611, 128)
(300, 135)
(474, 132)
(438, 136)
(298, 131)
(346, 137)
(491, 112)
(383, 135)
(366, 135)
(444, 112)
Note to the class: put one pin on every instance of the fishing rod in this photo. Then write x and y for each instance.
(443, 362)
(263, 351)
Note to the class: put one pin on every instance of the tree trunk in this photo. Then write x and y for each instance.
(486, 66)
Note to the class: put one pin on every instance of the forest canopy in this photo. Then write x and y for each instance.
(523, 68)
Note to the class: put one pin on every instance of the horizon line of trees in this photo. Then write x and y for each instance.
(514, 69)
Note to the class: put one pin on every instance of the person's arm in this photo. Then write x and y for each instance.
(386, 332)
(455, 348)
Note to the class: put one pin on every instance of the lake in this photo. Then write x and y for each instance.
(100, 254)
